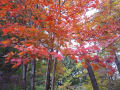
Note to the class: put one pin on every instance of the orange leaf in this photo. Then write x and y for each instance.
(27, 44)
(6, 42)
(14, 66)
(21, 53)
(102, 64)
(110, 73)
(84, 65)
(94, 66)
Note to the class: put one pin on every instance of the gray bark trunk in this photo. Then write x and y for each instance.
(24, 75)
(53, 75)
(32, 81)
(117, 63)
(47, 83)
(92, 77)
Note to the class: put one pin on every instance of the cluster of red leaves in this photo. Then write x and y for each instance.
(29, 52)
(85, 55)
(58, 29)
(10, 6)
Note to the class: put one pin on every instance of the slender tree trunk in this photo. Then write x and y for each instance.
(47, 83)
(53, 75)
(32, 81)
(24, 75)
(92, 77)
(117, 63)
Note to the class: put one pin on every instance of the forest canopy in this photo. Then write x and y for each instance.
(59, 44)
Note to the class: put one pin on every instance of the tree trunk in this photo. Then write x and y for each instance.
(32, 81)
(53, 75)
(47, 83)
(92, 77)
(117, 63)
(24, 75)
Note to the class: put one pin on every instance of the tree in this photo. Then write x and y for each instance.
(44, 28)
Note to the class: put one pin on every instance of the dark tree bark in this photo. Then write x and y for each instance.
(53, 75)
(117, 63)
(47, 83)
(24, 75)
(32, 81)
(92, 77)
